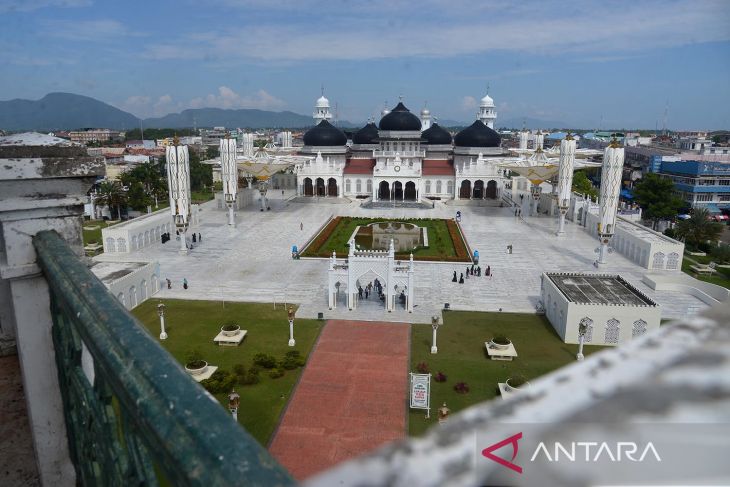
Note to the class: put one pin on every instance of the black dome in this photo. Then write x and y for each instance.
(366, 135)
(477, 135)
(324, 134)
(436, 135)
(400, 118)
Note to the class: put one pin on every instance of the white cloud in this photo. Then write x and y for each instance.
(88, 30)
(543, 28)
(468, 103)
(227, 98)
(145, 106)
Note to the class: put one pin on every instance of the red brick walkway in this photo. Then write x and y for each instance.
(351, 397)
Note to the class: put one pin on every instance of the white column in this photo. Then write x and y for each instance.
(434, 348)
(292, 342)
(613, 163)
(163, 334)
(579, 355)
(565, 179)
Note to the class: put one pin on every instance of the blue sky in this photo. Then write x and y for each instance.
(588, 63)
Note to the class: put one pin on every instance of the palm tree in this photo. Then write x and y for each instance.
(111, 194)
(698, 228)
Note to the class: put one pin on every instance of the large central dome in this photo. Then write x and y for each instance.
(477, 135)
(400, 118)
(324, 135)
(366, 135)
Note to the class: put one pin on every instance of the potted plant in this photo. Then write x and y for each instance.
(194, 363)
(230, 329)
(501, 342)
(517, 383)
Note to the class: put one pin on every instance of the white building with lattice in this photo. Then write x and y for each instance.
(613, 310)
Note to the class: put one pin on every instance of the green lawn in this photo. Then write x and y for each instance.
(462, 357)
(439, 240)
(721, 278)
(95, 235)
(201, 196)
(194, 324)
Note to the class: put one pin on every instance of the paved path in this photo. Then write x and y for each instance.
(351, 397)
(252, 262)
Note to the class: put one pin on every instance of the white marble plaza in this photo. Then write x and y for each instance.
(252, 261)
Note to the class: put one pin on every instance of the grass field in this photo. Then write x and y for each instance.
(462, 357)
(193, 325)
(441, 245)
(95, 235)
(721, 278)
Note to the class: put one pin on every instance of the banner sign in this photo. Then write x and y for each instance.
(420, 391)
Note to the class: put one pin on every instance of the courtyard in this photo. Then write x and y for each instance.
(252, 262)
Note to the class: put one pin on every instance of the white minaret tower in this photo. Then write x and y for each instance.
(565, 178)
(524, 137)
(425, 119)
(321, 109)
(229, 174)
(178, 181)
(613, 164)
(486, 110)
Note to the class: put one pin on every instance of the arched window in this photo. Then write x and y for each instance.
(155, 283)
(142, 290)
(450, 188)
(612, 331)
(134, 243)
(370, 186)
(438, 187)
(658, 261)
(673, 261)
(358, 186)
(110, 245)
(121, 245)
(428, 186)
(348, 186)
(132, 297)
(638, 329)
(121, 299)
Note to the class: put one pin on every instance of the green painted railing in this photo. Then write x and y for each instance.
(133, 416)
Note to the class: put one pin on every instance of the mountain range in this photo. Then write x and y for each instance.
(68, 111)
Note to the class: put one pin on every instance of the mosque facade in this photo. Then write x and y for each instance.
(403, 158)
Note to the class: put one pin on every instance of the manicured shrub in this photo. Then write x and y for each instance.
(276, 373)
(440, 377)
(240, 371)
(264, 360)
(517, 381)
(251, 377)
(501, 340)
(194, 359)
(461, 388)
(221, 381)
(292, 360)
(422, 368)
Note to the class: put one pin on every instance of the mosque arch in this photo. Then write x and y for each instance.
(410, 191)
(398, 190)
(321, 190)
(332, 187)
(491, 190)
(308, 187)
(478, 191)
(384, 190)
(465, 189)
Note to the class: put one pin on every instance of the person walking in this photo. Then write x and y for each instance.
(454, 279)
(488, 272)
(169, 284)
(359, 291)
(301, 226)
(185, 283)
(200, 237)
(461, 279)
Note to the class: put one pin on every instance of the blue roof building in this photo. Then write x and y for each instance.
(701, 184)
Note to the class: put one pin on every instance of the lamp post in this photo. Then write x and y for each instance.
(582, 330)
(435, 326)
(161, 314)
(292, 342)
(234, 399)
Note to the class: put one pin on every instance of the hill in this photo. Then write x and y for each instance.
(62, 111)
(243, 117)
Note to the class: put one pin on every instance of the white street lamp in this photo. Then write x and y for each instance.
(292, 342)
(585, 323)
(435, 326)
(161, 314)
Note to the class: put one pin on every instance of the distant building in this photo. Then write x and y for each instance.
(140, 144)
(96, 135)
(701, 184)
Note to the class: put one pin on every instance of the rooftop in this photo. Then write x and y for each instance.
(108, 272)
(598, 289)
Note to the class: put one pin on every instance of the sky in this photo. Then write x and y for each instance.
(589, 64)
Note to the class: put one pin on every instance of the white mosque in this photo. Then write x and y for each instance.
(403, 158)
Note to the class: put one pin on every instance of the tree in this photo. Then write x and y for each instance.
(201, 175)
(111, 194)
(656, 196)
(153, 185)
(698, 228)
(583, 185)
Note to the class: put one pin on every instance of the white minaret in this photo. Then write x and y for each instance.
(486, 111)
(247, 145)
(425, 119)
(321, 109)
(229, 174)
(565, 178)
(613, 164)
(178, 181)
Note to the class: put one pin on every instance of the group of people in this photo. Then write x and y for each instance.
(169, 283)
(368, 290)
(474, 271)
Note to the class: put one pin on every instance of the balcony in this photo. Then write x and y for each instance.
(402, 155)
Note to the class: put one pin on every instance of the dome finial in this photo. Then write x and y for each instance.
(322, 88)
(487, 87)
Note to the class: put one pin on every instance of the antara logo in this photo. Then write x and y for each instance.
(587, 451)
